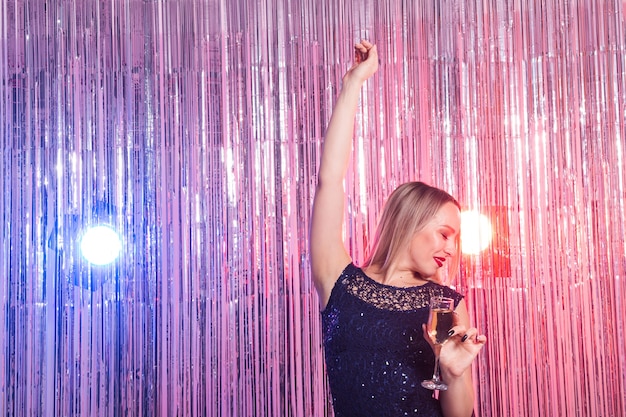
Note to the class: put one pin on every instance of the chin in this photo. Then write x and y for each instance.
(436, 277)
(430, 277)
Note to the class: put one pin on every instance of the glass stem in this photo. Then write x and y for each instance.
(436, 371)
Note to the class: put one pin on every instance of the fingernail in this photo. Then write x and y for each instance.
(450, 333)
(464, 338)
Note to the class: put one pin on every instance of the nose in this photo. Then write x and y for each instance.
(450, 248)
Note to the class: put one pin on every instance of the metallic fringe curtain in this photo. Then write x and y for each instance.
(195, 127)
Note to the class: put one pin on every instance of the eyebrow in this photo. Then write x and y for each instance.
(449, 228)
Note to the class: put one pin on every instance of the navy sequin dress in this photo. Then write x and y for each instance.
(376, 355)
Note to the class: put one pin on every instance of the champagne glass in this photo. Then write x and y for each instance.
(440, 321)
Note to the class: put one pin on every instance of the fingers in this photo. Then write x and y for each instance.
(427, 337)
(365, 50)
(364, 45)
(470, 334)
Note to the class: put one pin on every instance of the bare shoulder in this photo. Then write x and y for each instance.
(325, 273)
(462, 313)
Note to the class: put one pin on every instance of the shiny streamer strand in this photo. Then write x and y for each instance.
(195, 128)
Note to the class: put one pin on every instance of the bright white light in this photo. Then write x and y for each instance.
(100, 245)
(475, 232)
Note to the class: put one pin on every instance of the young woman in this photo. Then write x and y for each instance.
(376, 348)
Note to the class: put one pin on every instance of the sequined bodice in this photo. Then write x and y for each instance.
(376, 356)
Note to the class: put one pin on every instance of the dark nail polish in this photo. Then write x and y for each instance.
(464, 338)
(450, 333)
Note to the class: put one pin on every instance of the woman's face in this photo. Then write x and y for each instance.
(435, 243)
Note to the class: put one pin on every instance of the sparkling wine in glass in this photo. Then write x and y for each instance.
(440, 321)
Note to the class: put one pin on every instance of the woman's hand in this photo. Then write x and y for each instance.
(459, 351)
(365, 62)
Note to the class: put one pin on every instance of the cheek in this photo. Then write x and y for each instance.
(427, 243)
(439, 243)
(434, 239)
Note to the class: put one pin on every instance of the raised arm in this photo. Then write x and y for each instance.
(328, 253)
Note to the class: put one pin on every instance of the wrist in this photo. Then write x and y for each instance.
(350, 82)
(448, 375)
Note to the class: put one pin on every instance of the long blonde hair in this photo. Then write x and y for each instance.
(407, 211)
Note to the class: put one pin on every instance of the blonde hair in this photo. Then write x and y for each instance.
(407, 211)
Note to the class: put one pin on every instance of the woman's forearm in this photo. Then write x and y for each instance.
(338, 138)
(458, 400)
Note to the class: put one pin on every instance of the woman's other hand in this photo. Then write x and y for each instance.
(365, 62)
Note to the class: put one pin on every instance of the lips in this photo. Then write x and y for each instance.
(440, 261)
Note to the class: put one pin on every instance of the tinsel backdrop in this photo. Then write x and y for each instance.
(195, 128)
